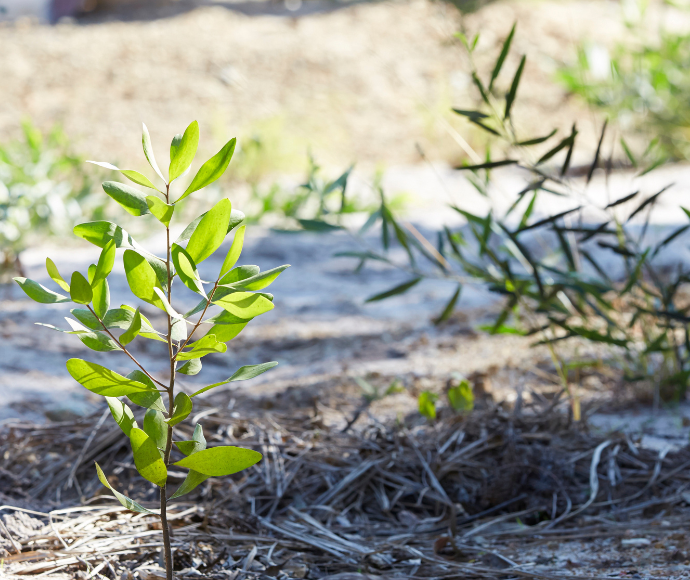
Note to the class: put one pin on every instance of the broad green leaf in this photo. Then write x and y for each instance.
(186, 269)
(260, 281)
(226, 318)
(55, 275)
(80, 290)
(211, 231)
(400, 289)
(165, 305)
(106, 261)
(101, 380)
(242, 374)
(191, 368)
(161, 210)
(236, 218)
(39, 293)
(116, 318)
(193, 479)
(147, 458)
(141, 278)
(197, 443)
(234, 252)
(238, 274)
(220, 461)
(101, 297)
(226, 332)
(131, 333)
(148, 400)
(244, 304)
(132, 200)
(211, 170)
(148, 151)
(122, 414)
(183, 150)
(178, 331)
(461, 397)
(135, 176)
(206, 345)
(182, 409)
(156, 428)
(123, 499)
(427, 404)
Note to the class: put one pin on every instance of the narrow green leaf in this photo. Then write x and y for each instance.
(147, 458)
(132, 200)
(161, 210)
(211, 170)
(101, 297)
(101, 380)
(123, 499)
(400, 289)
(55, 275)
(80, 290)
(234, 252)
(220, 461)
(450, 307)
(106, 261)
(226, 332)
(202, 347)
(40, 293)
(122, 414)
(130, 174)
(211, 231)
(259, 281)
(191, 367)
(510, 97)
(244, 305)
(242, 374)
(183, 150)
(165, 305)
(182, 409)
(487, 165)
(537, 140)
(502, 57)
(318, 226)
(141, 278)
(148, 151)
(193, 479)
(133, 331)
(622, 200)
(186, 269)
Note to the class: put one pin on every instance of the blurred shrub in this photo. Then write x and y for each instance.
(641, 83)
(43, 191)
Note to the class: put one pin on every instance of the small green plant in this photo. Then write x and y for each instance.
(461, 397)
(426, 403)
(237, 291)
(43, 191)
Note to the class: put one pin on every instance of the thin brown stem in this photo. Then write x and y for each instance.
(124, 349)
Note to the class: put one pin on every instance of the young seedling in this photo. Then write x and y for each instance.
(236, 290)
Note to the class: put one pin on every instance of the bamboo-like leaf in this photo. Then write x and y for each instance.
(450, 307)
(537, 140)
(400, 289)
(502, 57)
(487, 165)
(595, 162)
(622, 199)
(510, 97)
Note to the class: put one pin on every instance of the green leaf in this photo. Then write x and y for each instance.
(147, 458)
(234, 252)
(132, 200)
(501, 57)
(123, 499)
(318, 226)
(510, 97)
(182, 409)
(148, 151)
(39, 293)
(132, 332)
(166, 305)
(226, 332)
(106, 261)
(101, 380)
(487, 165)
(236, 218)
(161, 210)
(244, 305)
(191, 367)
(225, 318)
(461, 397)
(183, 150)
(211, 170)
(197, 443)
(211, 231)
(130, 174)
(239, 273)
(141, 278)
(148, 400)
(206, 345)
(101, 297)
(427, 404)
(259, 281)
(122, 414)
(55, 275)
(80, 290)
(220, 461)
(242, 374)
(402, 288)
(536, 140)
(193, 479)
(156, 427)
(186, 269)
(450, 307)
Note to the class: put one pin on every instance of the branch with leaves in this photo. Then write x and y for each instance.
(236, 294)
